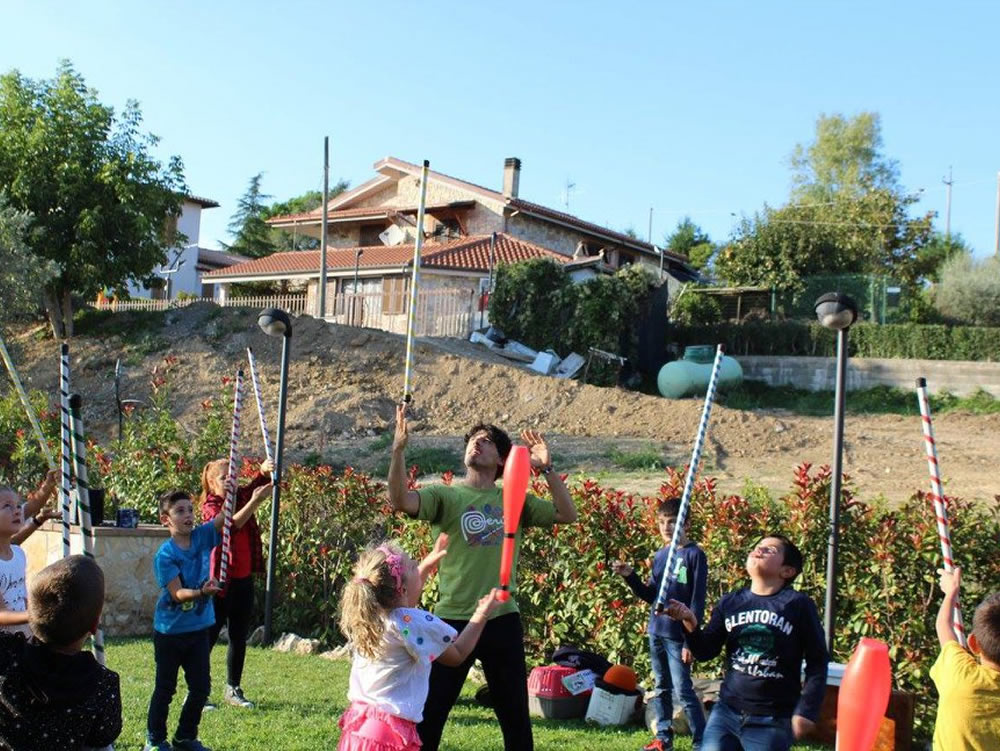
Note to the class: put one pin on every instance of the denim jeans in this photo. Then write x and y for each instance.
(729, 730)
(173, 652)
(673, 679)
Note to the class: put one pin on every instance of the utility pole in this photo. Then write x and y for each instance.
(649, 237)
(947, 210)
(321, 313)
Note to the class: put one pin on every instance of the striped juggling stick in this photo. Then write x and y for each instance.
(65, 488)
(79, 450)
(260, 407)
(29, 410)
(411, 319)
(231, 480)
(699, 443)
(937, 496)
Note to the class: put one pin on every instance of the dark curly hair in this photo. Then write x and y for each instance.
(500, 439)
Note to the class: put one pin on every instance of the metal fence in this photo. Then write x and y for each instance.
(440, 312)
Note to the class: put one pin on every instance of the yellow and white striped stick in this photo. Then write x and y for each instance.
(411, 319)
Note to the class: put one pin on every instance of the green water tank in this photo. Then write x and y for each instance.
(689, 376)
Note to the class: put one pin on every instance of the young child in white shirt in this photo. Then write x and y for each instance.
(394, 644)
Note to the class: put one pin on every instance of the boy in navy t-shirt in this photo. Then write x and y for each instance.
(184, 615)
(767, 630)
(670, 658)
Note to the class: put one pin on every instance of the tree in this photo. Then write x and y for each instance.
(22, 274)
(100, 204)
(308, 201)
(249, 226)
(689, 240)
(848, 215)
(969, 290)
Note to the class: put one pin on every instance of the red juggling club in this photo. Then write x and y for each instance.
(515, 487)
(864, 696)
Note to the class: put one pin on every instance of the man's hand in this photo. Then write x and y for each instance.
(801, 727)
(621, 568)
(681, 612)
(540, 457)
(402, 435)
(951, 581)
(686, 657)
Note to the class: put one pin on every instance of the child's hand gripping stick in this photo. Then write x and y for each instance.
(515, 487)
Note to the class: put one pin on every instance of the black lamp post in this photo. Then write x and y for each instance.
(275, 322)
(837, 312)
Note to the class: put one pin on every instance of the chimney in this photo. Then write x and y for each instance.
(511, 176)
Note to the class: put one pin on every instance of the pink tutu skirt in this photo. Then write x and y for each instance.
(364, 727)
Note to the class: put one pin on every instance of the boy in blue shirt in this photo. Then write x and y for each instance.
(766, 629)
(184, 615)
(671, 659)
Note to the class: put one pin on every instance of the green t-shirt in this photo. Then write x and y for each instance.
(473, 520)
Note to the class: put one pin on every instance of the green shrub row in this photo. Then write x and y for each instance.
(897, 340)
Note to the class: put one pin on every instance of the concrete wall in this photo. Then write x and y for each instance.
(126, 556)
(819, 373)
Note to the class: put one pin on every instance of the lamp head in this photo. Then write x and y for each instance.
(836, 311)
(275, 322)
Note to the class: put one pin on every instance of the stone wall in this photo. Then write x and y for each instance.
(126, 556)
(820, 373)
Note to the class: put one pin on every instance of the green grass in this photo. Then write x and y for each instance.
(877, 400)
(300, 698)
(647, 458)
(432, 460)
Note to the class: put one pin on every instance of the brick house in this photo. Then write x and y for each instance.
(371, 231)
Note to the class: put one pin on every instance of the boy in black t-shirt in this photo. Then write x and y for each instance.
(767, 630)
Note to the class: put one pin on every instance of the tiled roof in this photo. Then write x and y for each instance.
(219, 257)
(205, 203)
(466, 253)
(375, 212)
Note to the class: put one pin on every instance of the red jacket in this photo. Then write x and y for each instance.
(246, 551)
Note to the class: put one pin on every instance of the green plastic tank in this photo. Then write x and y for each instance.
(689, 376)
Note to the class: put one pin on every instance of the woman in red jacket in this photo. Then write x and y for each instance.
(234, 604)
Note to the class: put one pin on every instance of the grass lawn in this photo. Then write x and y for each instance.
(300, 698)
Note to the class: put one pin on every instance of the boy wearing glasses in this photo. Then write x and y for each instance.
(767, 630)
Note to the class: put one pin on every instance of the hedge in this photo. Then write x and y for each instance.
(912, 341)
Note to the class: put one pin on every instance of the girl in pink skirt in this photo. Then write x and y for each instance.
(394, 644)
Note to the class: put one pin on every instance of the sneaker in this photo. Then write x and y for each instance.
(657, 745)
(161, 746)
(234, 695)
(209, 706)
(192, 745)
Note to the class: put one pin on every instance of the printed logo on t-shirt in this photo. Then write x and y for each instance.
(483, 527)
(13, 592)
(755, 650)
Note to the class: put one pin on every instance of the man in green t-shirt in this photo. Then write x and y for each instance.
(470, 512)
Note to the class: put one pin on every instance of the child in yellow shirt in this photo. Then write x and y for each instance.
(968, 715)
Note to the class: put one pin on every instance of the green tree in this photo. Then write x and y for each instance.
(101, 205)
(22, 274)
(690, 240)
(969, 290)
(308, 201)
(248, 224)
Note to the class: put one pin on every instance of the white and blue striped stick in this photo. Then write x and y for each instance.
(79, 448)
(412, 318)
(66, 489)
(260, 408)
(699, 443)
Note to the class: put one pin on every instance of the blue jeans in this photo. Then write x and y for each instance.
(729, 730)
(673, 678)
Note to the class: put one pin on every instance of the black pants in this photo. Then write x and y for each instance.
(234, 610)
(172, 652)
(501, 652)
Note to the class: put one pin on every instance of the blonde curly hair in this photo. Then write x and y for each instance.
(367, 597)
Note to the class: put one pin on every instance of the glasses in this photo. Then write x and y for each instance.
(766, 550)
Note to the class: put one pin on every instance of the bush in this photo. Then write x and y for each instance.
(969, 290)
(696, 309)
(793, 338)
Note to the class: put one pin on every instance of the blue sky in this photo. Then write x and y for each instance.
(689, 108)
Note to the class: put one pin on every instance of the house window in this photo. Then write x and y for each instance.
(370, 233)
(395, 295)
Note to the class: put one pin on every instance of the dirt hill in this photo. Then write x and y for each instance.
(344, 383)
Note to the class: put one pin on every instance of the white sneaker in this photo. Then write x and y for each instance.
(234, 695)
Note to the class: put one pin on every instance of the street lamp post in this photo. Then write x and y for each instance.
(275, 322)
(836, 312)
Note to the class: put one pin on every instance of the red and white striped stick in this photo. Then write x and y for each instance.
(231, 479)
(937, 496)
(260, 408)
